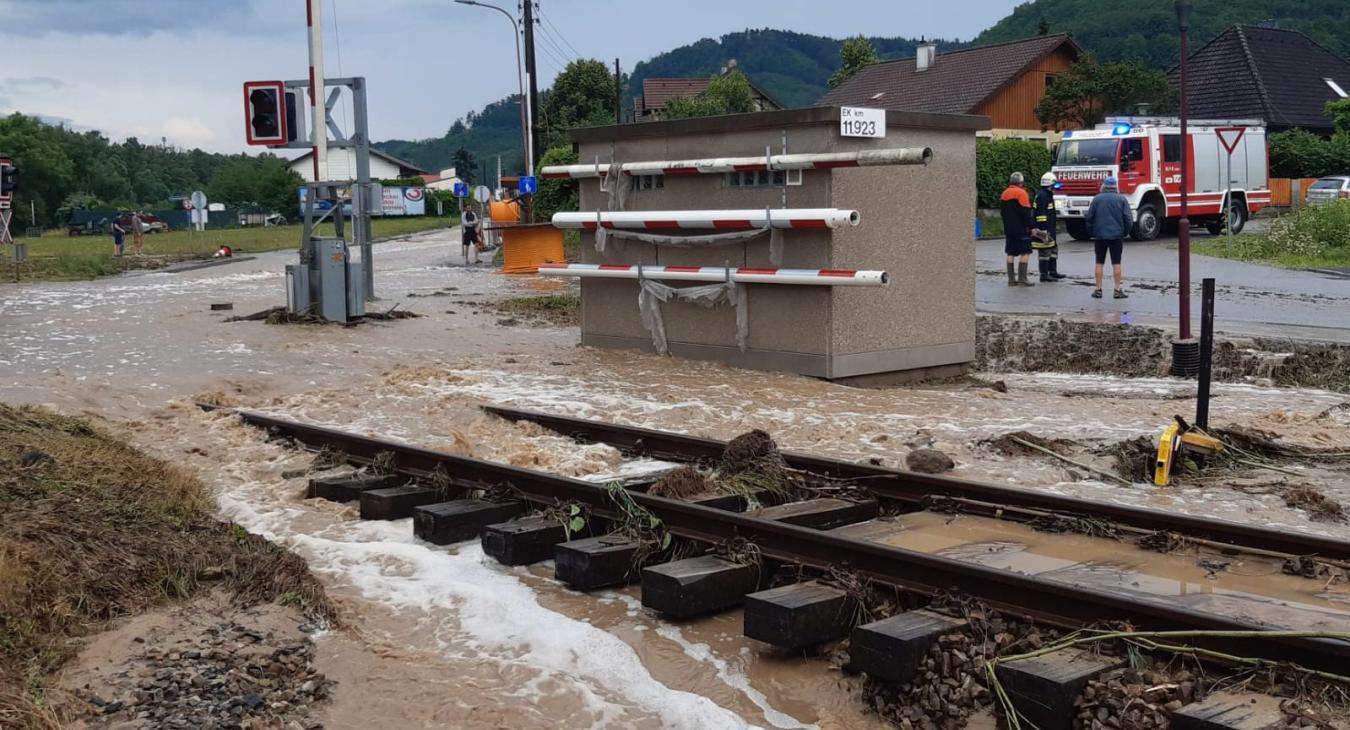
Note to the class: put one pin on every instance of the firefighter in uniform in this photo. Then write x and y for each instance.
(1044, 233)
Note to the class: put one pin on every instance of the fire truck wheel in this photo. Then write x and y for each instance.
(1077, 229)
(1146, 223)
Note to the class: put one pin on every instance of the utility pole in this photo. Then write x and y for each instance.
(1183, 9)
(529, 21)
(618, 93)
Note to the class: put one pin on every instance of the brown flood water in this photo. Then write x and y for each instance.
(447, 637)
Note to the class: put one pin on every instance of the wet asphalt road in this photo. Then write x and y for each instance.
(1252, 300)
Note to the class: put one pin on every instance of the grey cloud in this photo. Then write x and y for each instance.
(132, 17)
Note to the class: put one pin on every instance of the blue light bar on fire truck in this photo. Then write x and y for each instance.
(1122, 128)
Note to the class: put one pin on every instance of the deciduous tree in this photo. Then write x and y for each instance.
(1089, 91)
(853, 56)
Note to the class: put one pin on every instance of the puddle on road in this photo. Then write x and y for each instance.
(448, 636)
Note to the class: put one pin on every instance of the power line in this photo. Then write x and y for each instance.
(549, 21)
(552, 43)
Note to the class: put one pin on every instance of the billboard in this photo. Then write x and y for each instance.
(404, 201)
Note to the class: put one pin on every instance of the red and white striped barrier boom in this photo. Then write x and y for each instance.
(725, 220)
(816, 277)
(717, 165)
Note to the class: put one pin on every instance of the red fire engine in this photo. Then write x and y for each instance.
(1145, 156)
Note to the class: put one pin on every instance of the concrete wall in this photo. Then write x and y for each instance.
(916, 224)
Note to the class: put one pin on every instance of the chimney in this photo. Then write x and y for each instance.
(925, 55)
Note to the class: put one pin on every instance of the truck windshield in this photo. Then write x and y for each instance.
(1087, 152)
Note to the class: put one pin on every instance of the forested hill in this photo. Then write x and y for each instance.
(1147, 31)
(791, 67)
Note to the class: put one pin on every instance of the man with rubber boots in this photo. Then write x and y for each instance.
(1044, 230)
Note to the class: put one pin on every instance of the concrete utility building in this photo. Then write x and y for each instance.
(916, 224)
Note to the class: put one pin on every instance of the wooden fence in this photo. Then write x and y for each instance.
(1289, 193)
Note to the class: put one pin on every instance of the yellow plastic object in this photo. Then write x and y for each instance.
(525, 247)
(1201, 443)
(1169, 444)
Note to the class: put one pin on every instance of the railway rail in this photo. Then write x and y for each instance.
(1057, 602)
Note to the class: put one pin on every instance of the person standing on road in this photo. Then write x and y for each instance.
(1044, 230)
(137, 234)
(1015, 206)
(119, 237)
(1109, 220)
(469, 236)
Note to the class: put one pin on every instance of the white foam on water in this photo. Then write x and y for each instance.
(497, 614)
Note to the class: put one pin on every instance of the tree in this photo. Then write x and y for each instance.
(582, 96)
(1043, 28)
(726, 94)
(77, 202)
(1339, 111)
(556, 195)
(1089, 91)
(463, 163)
(853, 55)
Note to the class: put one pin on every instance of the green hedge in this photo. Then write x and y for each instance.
(1299, 153)
(996, 161)
(556, 195)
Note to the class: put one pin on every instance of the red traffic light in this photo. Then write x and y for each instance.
(265, 120)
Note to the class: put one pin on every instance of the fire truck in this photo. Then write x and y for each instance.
(1144, 155)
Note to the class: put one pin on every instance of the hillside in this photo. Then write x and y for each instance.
(1147, 31)
(791, 67)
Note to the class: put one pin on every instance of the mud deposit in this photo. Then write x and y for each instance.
(1057, 345)
(446, 637)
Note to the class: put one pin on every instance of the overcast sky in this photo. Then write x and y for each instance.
(174, 68)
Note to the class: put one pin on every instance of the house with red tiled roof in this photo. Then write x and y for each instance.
(657, 92)
(1004, 82)
(1254, 72)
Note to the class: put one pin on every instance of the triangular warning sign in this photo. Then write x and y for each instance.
(1230, 136)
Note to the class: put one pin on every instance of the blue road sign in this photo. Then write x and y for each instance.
(461, 190)
(323, 204)
(529, 185)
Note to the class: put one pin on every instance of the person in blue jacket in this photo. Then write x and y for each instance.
(1109, 220)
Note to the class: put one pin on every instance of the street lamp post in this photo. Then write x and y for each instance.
(525, 130)
(1183, 8)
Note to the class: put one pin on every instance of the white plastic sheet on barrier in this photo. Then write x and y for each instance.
(651, 294)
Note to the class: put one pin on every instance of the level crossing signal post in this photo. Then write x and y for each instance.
(274, 117)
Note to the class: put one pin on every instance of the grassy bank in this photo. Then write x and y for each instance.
(93, 531)
(1316, 237)
(59, 257)
(563, 310)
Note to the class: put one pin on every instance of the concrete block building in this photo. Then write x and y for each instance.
(916, 224)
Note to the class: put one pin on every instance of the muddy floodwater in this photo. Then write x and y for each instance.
(446, 637)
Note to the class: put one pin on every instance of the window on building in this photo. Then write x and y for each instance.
(1049, 80)
(649, 182)
(763, 178)
(1171, 148)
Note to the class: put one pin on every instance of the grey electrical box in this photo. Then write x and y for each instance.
(356, 291)
(297, 288)
(330, 262)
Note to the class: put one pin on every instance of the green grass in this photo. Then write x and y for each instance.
(563, 310)
(1315, 237)
(60, 257)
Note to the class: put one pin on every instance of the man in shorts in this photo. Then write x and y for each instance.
(469, 236)
(1109, 220)
(1015, 205)
(119, 237)
(137, 234)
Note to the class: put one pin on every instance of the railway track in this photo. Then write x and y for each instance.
(819, 535)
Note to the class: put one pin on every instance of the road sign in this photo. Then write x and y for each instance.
(461, 190)
(1230, 136)
(482, 194)
(528, 185)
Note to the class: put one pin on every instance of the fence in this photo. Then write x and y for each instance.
(1289, 193)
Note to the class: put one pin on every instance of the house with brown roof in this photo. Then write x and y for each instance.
(1257, 72)
(1004, 82)
(657, 92)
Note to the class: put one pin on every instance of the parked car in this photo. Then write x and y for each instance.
(1329, 190)
(153, 223)
(88, 226)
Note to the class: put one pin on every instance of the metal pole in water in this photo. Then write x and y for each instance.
(1206, 352)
